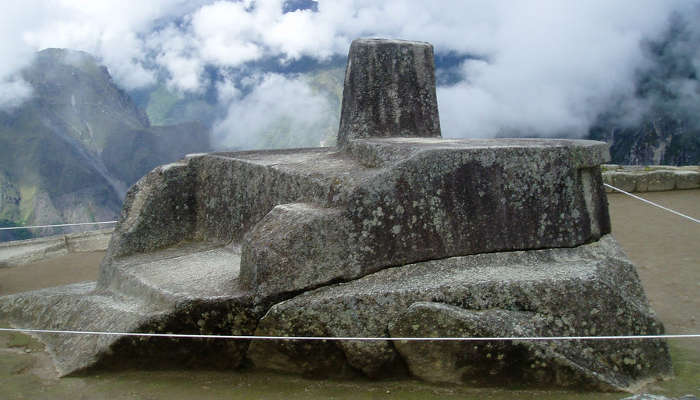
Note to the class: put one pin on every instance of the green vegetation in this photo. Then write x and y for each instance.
(328, 82)
(16, 234)
(26, 203)
(160, 103)
(166, 107)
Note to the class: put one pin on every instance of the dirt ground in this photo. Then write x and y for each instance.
(71, 268)
(665, 248)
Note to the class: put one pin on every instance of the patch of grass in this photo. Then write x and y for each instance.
(160, 103)
(17, 234)
(18, 340)
(24, 341)
(26, 202)
(686, 366)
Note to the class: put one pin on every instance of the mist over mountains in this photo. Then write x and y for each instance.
(660, 122)
(160, 79)
(541, 67)
(71, 151)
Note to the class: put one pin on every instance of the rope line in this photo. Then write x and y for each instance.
(362, 339)
(56, 225)
(653, 204)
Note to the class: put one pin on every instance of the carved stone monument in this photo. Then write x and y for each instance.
(394, 233)
(389, 91)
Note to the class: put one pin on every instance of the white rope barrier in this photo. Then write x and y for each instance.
(653, 204)
(57, 225)
(361, 339)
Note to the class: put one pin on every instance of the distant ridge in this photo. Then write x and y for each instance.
(71, 151)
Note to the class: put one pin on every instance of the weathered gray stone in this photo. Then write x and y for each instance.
(391, 200)
(687, 179)
(635, 178)
(426, 199)
(236, 190)
(658, 181)
(535, 362)
(641, 182)
(97, 240)
(625, 181)
(156, 212)
(217, 198)
(22, 252)
(461, 197)
(389, 91)
(186, 289)
(589, 290)
(56, 309)
(456, 362)
(296, 247)
(431, 200)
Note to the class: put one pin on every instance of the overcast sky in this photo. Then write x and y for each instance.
(548, 66)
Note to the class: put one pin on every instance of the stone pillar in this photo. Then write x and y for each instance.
(389, 91)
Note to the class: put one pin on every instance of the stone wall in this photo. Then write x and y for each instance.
(21, 252)
(656, 178)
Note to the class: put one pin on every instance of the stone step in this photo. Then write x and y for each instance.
(200, 270)
(190, 288)
(53, 309)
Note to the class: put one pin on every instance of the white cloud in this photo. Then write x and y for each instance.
(178, 55)
(13, 92)
(551, 65)
(552, 68)
(112, 30)
(14, 55)
(228, 34)
(106, 29)
(280, 111)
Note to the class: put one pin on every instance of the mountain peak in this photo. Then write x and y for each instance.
(75, 146)
(50, 58)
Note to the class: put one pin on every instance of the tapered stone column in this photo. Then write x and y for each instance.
(389, 91)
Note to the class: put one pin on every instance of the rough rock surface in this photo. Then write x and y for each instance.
(420, 199)
(297, 246)
(588, 290)
(389, 91)
(186, 289)
(383, 236)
